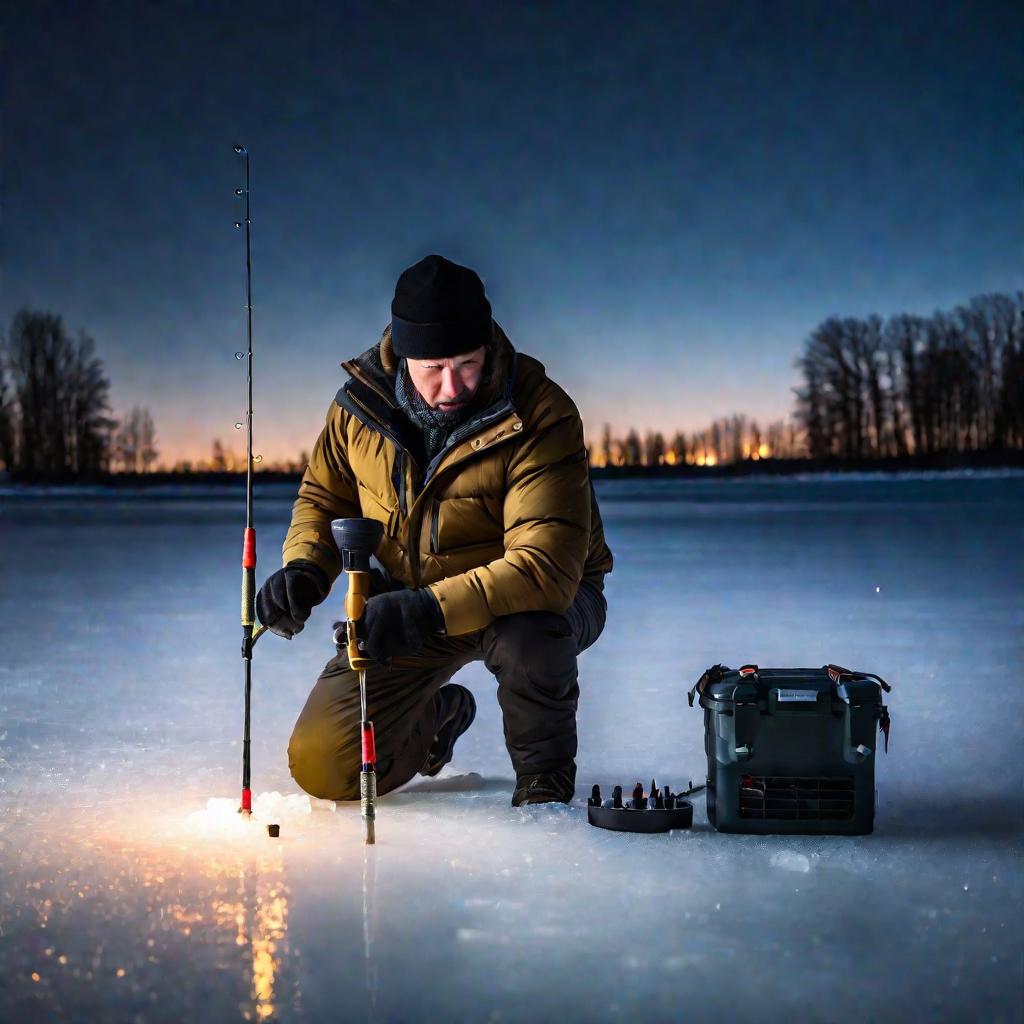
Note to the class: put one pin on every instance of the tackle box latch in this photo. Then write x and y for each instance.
(839, 674)
(746, 718)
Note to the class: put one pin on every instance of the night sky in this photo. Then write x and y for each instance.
(662, 199)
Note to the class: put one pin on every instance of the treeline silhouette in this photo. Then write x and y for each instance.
(911, 385)
(905, 389)
(55, 420)
(226, 460)
(728, 440)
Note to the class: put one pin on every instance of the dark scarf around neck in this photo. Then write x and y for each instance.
(435, 426)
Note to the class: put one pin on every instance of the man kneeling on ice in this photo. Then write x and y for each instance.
(493, 548)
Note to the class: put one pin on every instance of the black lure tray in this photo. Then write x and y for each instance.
(641, 813)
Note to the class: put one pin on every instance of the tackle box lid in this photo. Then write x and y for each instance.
(721, 686)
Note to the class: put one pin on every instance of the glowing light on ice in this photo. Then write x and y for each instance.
(220, 817)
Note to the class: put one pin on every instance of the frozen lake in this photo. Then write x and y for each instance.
(125, 898)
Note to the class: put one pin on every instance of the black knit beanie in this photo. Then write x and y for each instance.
(439, 311)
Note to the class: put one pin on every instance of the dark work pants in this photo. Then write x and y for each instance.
(533, 657)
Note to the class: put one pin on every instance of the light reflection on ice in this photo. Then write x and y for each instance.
(128, 905)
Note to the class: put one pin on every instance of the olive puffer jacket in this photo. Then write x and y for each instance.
(504, 518)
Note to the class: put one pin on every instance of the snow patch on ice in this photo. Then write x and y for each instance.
(221, 816)
(790, 860)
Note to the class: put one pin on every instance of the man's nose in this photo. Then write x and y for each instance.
(451, 383)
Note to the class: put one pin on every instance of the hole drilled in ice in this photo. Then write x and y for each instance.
(221, 817)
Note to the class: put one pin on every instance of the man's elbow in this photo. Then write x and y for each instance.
(551, 588)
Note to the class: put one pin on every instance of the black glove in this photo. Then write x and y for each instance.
(289, 595)
(400, 623)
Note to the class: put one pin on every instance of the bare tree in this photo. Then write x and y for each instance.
(218, 459)
(1009, 416)
(134, 443)
(753, 443)
(61, 392)
(633, 449)
(604, 451)
(303, 459)
(654, 449)
(775, 439)
(7, 417)
(714, 444)
(811, 405)
(913, 384)
(736, 437)
(676, 453)
(866, 338)
(88, 424)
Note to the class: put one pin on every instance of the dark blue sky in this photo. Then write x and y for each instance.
(662, 199)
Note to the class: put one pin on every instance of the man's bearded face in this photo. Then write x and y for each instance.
(448, 385)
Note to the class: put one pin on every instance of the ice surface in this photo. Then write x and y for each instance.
(131, 890)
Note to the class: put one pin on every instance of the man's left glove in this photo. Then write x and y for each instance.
(400, 622)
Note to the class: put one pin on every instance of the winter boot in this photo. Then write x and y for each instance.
(553, 786)
(458, 709)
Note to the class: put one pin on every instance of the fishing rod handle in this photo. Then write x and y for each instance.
(249, 577)
(248, 598)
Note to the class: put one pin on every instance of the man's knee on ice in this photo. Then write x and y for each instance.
(318, 766)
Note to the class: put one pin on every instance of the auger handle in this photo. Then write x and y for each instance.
(356, 597)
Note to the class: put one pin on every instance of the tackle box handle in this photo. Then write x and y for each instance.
(837, 673)
(711, 675)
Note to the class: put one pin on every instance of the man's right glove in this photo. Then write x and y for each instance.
(401, 622)
(289, 595)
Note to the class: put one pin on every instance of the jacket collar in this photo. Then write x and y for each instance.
(372, 387)
(378, 365)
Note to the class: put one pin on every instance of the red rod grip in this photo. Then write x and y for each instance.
(247, 800)
(249, 549)
(369, 750)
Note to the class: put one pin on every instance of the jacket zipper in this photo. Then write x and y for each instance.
(414, 527)
(368, 419)
(401, 482)
(435, 513)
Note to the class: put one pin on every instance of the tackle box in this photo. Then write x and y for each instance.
(791, 750)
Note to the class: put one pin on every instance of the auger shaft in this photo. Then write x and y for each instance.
(356, 539)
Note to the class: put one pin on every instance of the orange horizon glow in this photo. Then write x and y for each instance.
(281, 451)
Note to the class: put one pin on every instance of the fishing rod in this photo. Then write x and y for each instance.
(250, 632)
(356, 538)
